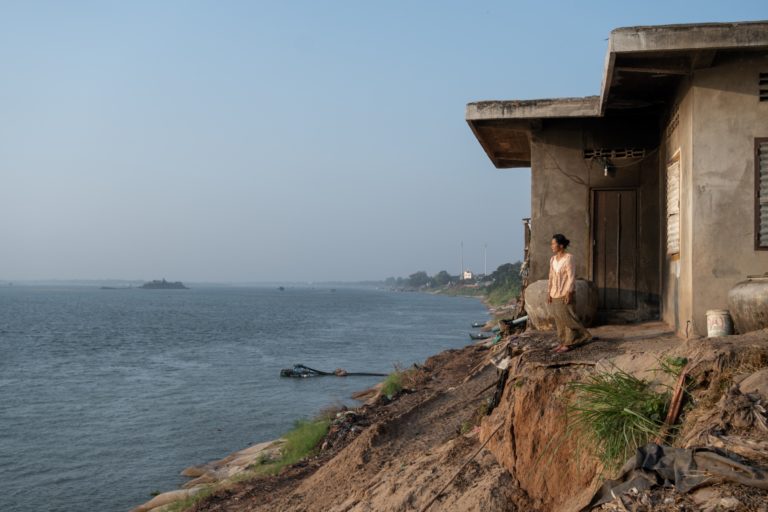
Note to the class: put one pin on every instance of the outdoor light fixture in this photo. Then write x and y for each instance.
(606, 166)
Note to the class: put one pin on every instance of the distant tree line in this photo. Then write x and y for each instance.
(421, 279)
(500, 286)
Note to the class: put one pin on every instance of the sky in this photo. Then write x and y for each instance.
(228, 141)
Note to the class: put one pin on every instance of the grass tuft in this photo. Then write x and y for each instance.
(303, 439)
(673, 365)
(300, 442)
(182, 505)
(617, 413)
(393, 384)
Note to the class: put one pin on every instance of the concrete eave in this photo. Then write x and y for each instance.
(503, 127)
(533, 109)
(690, 39)
(697, 36)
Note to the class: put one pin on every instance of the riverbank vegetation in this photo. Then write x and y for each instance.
(300, 442)
(500, 287)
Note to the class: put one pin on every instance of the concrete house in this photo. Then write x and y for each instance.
(661, 181)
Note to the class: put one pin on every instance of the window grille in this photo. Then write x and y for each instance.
(761, 193)
(673, 206)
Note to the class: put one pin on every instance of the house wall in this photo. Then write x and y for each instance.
(727, 117)
(677, 273)
(561, 185)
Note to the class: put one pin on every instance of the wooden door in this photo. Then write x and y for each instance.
(614, 265)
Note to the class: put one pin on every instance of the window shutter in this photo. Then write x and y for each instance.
(762, 193)
(673, 207)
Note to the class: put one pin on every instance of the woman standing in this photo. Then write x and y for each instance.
(561, 289)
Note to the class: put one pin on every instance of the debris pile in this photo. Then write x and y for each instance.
(344, 427)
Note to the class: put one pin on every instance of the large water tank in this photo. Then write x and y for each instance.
(748, 304)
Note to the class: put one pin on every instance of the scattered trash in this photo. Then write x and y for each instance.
(687, 469)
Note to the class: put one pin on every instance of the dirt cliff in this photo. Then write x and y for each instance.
(551, 464)
(423, 449)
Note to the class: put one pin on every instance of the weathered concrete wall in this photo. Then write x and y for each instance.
(677, 275)
(727, 117)
(561, 185)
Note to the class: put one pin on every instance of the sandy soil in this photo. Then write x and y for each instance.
(411, 450)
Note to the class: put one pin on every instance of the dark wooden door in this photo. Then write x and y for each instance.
(614, 267)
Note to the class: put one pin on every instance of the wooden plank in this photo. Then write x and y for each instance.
(599, 248)
(612, 255)
(628, 250)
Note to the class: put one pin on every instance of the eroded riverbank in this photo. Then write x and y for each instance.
(425, 447)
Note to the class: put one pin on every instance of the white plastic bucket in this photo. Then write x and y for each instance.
(719, 323)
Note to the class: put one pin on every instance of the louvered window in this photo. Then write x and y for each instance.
(763, 86)
(673, 206)
(761, 193)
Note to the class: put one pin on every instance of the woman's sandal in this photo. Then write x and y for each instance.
(561, 349)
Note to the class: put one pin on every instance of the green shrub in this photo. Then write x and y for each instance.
(617, 413)
(393, 384)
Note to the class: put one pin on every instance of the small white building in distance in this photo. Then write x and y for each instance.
(467, 275)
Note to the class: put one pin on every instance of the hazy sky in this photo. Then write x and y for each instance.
(246, 141)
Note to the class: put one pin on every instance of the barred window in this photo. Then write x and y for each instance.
(673, 205)
(761, 193)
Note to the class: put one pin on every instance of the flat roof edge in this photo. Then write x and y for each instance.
(694, 36)
(679, 38)
(533, 109)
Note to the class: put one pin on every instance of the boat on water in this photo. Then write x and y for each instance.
(477, 325)
(479, 336)
(301, 372)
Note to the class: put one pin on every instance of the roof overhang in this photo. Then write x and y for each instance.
(503, 128)
(643, 68)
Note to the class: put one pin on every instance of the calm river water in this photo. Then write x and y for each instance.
(106, 395)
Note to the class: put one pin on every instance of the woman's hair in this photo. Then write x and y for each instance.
(561, 240)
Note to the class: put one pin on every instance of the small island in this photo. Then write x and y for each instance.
(163, 285)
